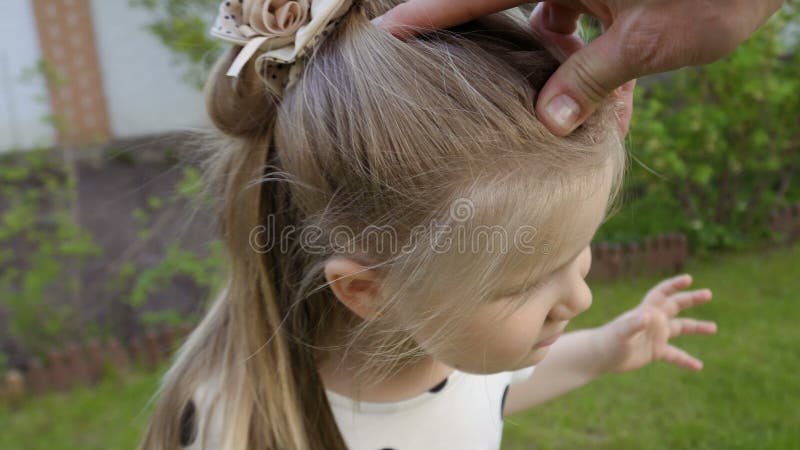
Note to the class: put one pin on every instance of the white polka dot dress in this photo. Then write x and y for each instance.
(464, 411)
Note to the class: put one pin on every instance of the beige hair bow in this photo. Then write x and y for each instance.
(285, 29)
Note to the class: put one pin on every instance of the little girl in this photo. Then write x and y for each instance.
(406, 242)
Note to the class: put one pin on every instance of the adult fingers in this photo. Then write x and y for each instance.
(678, 327)
(674, 355)
(415, 16)
(556, 18)
(555, 26)
(625, 106)
(585, 80)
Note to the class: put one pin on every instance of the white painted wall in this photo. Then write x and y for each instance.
(144, 90)
(22, 103)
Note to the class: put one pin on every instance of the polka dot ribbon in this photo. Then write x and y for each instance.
(285, 30)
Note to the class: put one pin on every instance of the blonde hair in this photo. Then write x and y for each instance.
(377, 134)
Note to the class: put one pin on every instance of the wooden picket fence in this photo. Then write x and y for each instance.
(786, 221)
(662, 253)
(86, 363)
(668, 252)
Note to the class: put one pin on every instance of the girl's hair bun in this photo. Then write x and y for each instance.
(240, 107)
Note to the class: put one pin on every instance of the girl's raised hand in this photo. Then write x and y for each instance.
(641, 335)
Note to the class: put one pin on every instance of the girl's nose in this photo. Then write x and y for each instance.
(584, 300)
(575, 301)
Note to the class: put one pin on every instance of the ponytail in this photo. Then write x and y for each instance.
(244, 379)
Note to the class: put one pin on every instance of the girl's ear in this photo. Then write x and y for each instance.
(356, 286)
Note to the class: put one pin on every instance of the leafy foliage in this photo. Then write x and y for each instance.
(182, 26)
(42, 245)
(137, 284)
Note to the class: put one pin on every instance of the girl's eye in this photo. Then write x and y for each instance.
(528, 290)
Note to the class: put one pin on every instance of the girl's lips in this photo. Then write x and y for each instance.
(548, 342)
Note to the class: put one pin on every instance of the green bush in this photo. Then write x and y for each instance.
(44, 247)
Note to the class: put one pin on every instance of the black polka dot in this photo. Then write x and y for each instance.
(387, 448)
(503, 403)
(227, 3)
(188, 430)
(439, 386)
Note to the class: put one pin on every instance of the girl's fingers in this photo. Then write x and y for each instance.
(666, 288)
(634, 324)
(678, 327)
(685, 300)
(680, 358)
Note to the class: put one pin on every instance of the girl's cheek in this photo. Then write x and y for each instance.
(492, 341)
(522, 334)
(490, 349)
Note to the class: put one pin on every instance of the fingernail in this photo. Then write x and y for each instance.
(564, 111)
(537, 9)
(377, 21)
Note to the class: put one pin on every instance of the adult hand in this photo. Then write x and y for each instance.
(641, 37)
(563, 43)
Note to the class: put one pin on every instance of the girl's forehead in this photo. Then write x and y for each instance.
(514, 237)
(564, 240)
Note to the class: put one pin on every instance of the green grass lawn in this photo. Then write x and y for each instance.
(746, 397)
(109, 416)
